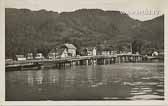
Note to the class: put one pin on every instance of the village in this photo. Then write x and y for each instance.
(70, 51)
(83, 51)
(66, 55)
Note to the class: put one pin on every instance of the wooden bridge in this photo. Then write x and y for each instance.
(79, 60)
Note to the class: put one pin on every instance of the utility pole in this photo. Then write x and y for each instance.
(131, 47)
(55, 52)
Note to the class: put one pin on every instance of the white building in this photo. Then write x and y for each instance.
(58, 53)
(155, 53)
(92, 51)
(20, 57)
(29, 56)
(70, 49)
(39, 56)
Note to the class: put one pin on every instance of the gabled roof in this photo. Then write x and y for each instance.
(70, 46)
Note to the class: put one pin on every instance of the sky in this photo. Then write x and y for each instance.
(137, 9)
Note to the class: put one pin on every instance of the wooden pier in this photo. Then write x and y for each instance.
(80, 60)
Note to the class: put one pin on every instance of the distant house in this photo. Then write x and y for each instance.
(20, 57)
(8, 60)
(52, 54)
(62, 52)
(107, 52)
(39, 56)
(155, 53)
(89, 51)
(66, 50)
(92, 51)
(29, 56)
(70, 49)
(125, 52)
(114, 52)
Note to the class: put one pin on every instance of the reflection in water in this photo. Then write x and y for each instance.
(127, 81)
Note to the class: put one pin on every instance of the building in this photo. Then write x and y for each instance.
(20, 57)
(66, 50)
(52, 54)
(58, 53)
(29, 56)
(92, 51)
(64, 53)
(89, 52)
(39, 56)
(70, 49)
(155, 53)
(107, 52)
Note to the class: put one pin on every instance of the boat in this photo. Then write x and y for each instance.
(14, 67)
(21, 67)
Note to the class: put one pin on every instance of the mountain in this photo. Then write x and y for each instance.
(40, 31)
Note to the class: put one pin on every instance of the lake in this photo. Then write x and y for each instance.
(125, 81)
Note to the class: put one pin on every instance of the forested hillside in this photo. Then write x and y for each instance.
(40, 31)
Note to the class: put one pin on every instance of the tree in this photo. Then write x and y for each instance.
(136, 46)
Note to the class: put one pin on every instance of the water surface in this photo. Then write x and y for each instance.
(126, 81)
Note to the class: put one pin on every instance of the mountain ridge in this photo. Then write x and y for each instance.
(39, 31)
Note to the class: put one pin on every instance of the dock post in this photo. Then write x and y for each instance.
(119, 59)
(91, 61)
(94, 61)
(111, 60)
(126, 58)
(81, 62)
(136, 59)
(77, 62)
(87, 62)
(114, 59)
(104, 61)
(70, 63)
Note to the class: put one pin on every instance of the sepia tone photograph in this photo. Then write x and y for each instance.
(84, 50)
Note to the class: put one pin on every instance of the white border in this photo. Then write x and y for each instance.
(2, 53)
(72, 103)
